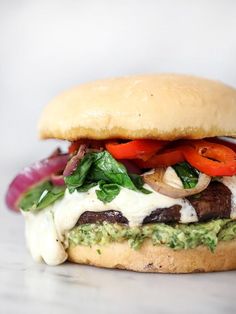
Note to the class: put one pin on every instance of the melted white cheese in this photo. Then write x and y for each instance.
(188, 214)
(42, 238)
(46, 230)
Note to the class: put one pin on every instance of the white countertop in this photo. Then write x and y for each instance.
(28, 287)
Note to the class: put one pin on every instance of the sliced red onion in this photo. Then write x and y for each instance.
(73, 162)
(57, 179)
(32, 175)
(130, 166)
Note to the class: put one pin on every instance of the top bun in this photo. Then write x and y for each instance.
(164, 106)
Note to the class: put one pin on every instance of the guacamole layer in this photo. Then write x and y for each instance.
(176, 236)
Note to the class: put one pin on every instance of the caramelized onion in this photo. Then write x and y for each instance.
(155, 180)
(74, 161)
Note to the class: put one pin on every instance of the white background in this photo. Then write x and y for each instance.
(48, 46)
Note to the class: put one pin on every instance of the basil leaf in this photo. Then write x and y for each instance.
(138, 182)
(41, 196)
(107, 192)
(187, 174)
(30, 199)
(50, 196)
(86, 186)
(95, 167)
(101, 168)
(78, 177)
(107, 169)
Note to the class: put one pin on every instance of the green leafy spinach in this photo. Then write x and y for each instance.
(103, 170)
(41, 196)
(187, 174)
(95, 169)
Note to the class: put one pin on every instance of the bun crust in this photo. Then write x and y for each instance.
(150, 258)
(164, 106)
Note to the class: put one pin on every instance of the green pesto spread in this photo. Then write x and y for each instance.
(177, 236)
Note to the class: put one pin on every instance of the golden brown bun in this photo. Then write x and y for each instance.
(162, 106)
(152, 258)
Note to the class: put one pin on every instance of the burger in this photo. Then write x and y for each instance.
(148, 182)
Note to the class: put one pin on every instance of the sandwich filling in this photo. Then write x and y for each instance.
(81, 218)
(179, 194)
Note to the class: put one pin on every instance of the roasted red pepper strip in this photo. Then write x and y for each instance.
(137, 149)
(212, 159)
(164, 159)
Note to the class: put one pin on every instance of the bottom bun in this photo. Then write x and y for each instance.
(150, 258)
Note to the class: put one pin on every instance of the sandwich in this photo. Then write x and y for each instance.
(147, 183)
